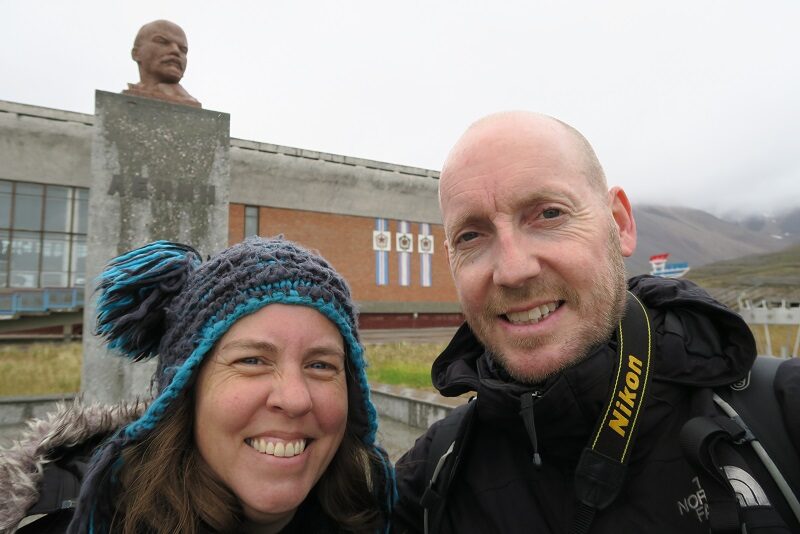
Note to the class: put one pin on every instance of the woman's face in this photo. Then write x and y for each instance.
(271, 408)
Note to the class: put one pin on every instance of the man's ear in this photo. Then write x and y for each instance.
(134, 53)
(623, 217)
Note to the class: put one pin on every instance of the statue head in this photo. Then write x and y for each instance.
(160, 50)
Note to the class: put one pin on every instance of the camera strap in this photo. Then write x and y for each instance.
(601, 469)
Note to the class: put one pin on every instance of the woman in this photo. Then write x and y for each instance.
(262, 421)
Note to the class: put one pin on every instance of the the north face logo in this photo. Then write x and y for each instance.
(742, 384)
(748, 491)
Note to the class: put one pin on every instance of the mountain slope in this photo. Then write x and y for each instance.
(772, 277)
(693, 236)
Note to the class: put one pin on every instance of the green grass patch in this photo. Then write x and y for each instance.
(40, 368)
(49, 368)
(402, 364)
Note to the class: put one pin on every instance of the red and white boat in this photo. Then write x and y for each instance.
(660, 267)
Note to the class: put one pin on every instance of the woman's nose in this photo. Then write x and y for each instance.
(290, 394)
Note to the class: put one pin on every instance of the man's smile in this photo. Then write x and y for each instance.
(532, 315)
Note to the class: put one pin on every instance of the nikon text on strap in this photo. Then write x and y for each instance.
(601, 469)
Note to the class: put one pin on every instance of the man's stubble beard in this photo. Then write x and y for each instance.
(604, 308)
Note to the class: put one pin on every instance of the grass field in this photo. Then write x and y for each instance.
(48, 368)
(743, 271)
(40, 368)
(403, 364)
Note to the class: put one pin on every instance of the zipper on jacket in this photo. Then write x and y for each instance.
(526, 401)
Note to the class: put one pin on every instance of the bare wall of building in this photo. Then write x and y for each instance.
(45, 145)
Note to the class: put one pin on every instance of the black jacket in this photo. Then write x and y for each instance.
(698, 344)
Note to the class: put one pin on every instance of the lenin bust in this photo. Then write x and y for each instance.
(160, 50)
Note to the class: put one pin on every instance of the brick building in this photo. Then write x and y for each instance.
(377, 223)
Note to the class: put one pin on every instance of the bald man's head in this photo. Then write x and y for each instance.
(535, 241)
(487, 137)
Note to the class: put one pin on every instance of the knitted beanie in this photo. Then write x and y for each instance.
(162, 299)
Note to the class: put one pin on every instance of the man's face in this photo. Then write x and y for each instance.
(161, 53)
(533, 248)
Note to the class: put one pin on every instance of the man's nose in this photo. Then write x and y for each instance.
(515, 261)
(290, 394)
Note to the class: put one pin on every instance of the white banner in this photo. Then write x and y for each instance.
(424, 242)
(405, 240)
(382, 240)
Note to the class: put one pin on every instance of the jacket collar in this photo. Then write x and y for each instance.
(697, 342)
(22, 465)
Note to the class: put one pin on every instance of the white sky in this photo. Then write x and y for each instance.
(695, 103)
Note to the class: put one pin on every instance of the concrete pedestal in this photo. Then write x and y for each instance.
(159, 171)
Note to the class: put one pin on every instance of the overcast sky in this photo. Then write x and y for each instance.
(695, 103)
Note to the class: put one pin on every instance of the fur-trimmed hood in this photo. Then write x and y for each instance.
(22, 464)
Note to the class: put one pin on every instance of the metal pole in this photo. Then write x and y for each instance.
(769, 341)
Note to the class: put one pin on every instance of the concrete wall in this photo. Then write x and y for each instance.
(329, 183)
(159, 171)
(412, 407)
(416, 409)
(14, 411)
(45, 145)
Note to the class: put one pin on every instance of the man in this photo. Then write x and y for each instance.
(535, 242)
(160, 50)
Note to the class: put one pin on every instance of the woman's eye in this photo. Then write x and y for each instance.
(251, 360)
(322, 366)
(551, 213)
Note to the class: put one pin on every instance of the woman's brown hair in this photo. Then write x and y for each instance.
(165, 486)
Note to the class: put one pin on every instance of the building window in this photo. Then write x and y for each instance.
(42, 235)
(250, 221)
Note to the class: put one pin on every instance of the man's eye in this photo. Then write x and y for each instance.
(467, 236)
(551, 213)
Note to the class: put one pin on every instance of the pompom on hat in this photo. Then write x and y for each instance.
(162, 299)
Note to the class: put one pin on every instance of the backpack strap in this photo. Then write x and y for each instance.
(447, 448)
(703, 439)
(711, 443)
(753, 404)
